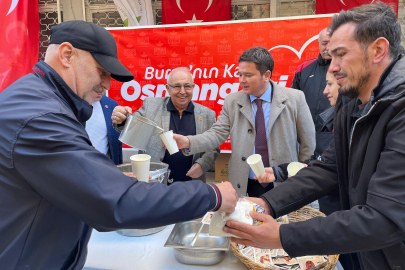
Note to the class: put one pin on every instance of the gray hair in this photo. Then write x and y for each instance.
(372, 22)
(327, 30)
(177, 69)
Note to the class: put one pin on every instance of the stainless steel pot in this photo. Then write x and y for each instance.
(160, 173)
(138, 130)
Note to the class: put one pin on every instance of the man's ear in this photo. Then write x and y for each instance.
(66, 54)
(168, 89)
(380, 49)
(267, 75)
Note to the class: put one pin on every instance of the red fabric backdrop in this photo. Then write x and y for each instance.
(335, 6)
(187, 11)
(19, 39)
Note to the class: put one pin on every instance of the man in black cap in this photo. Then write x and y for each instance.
(54, 186)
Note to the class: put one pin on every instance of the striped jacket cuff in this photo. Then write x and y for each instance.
(215, 194)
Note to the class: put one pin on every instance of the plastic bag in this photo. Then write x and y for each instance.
(241, 214)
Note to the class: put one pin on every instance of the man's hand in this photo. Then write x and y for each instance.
(119, 114)
(182, 141)
(260, 202)
(268, 177)
(229, 197)
(195, 171)
(265, 236)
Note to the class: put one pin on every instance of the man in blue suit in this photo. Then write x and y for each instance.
(99, 127)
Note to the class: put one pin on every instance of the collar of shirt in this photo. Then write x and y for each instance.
(189, 109)
(359, 110)
(266, 96)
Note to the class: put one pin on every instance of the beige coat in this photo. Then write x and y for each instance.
(290, 122)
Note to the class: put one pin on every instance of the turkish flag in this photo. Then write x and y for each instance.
(19, 39)
(335, 6)
(186, 11)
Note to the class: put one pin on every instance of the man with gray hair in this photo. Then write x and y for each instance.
(310, 79)
(55, 187)
(178, 113)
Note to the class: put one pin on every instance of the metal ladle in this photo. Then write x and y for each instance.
(196, 235)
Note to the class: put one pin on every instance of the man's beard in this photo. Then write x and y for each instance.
(353, 91)
(350, 91)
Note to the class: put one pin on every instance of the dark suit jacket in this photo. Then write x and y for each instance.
(115, 146)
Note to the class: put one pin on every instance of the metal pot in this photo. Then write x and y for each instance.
(138, 130)
(160, 173)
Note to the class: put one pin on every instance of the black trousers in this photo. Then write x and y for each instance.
(255, 189)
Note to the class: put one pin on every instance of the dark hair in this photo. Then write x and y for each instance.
(373, 21)
(261, 57)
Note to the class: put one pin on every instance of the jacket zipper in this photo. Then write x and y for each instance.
(354, 126)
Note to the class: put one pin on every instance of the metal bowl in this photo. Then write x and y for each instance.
(207, 250)
(159, 172)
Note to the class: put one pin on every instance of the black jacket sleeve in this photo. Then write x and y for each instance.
(296, 81)
(377, 224)
(54, 155)
(310, 184)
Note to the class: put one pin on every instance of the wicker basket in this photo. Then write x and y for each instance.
(302, 214)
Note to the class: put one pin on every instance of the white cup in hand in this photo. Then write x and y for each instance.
(170, 143)
(255, 162)
(294, 167)
(140, 166)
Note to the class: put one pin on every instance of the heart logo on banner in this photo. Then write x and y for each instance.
(298, 53)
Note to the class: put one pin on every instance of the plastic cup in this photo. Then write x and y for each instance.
(255, 162)
(294, 167)
(140, 166)
(170, 143)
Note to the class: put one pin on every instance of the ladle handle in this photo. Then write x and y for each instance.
(196, 235)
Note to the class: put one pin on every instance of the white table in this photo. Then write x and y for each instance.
(116, 252)
(113, 251)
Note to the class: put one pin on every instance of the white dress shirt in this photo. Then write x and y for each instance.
(97, 129)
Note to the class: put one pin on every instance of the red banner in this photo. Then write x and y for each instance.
(211, 51)
(176, 11)
(19, 39)
(335, 6)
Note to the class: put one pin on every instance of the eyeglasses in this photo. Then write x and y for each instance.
(186, 87)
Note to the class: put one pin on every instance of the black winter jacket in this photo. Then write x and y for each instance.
(310, 78)
(55, 186)
(367, 164)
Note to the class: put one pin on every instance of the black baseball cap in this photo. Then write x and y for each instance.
(96, 40)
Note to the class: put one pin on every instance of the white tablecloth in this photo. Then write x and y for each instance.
(113, 251)
(116, 252)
